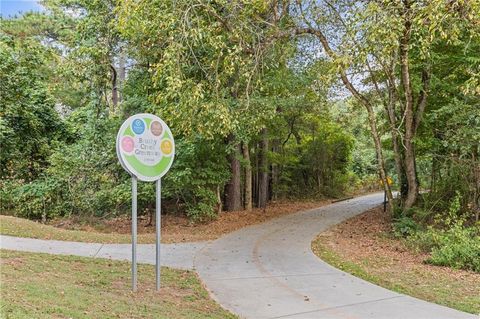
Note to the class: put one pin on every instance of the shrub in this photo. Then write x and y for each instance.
(204, 208)
(458, 248)
(449, 242)
(404, 227)
(41, 199)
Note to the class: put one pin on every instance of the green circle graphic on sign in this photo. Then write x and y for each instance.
(145, 147)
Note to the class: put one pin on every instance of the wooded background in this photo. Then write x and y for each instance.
(267, 100)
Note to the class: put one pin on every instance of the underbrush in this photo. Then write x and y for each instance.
(450, 239)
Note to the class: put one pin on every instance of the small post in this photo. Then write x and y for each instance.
(134, 233)
(158, 224)
(384, 201)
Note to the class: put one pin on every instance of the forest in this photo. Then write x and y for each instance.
(267, 100)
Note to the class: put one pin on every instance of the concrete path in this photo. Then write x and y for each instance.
(269, 271)
(173, 255)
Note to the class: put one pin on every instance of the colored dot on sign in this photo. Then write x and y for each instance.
(138, 126)
(166, 147)
(127, 144)
(156, 128)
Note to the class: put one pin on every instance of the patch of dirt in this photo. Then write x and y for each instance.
(181, 229)
(14, 261)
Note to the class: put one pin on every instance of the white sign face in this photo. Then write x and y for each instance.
(145, 147)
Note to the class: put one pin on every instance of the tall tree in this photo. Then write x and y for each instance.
(372, 42)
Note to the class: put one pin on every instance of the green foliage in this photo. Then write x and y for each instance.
(39, 199)
(405, 226)
(199, 170)
(29, 123)
(220, 73)
(459, 248)
(449, 242)
(82, 177)
(315, 162)
(204, 72)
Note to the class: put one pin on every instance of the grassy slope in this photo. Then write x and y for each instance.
(26, 228)
(46, 286)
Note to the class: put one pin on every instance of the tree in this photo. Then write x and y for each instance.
(29, 124)
(207, 69)
(374, 40)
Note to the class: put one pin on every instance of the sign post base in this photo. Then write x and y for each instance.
(134, 233)
(158, 226)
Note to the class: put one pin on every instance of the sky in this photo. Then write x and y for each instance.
(9, 8)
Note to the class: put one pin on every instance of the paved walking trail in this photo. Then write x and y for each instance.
(269, 271)
(179, 256)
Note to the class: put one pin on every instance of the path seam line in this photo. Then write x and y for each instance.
(336, 307)
(98, 250)
(278, 276)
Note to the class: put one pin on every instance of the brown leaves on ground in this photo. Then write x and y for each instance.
(181, 229)
(365, 235)
(369, 235)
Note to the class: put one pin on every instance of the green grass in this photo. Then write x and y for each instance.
(48, 286)
(440, 288)
(20, 227)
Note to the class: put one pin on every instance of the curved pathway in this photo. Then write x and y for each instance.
(269, 271)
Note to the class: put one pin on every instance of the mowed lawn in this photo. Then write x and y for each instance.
(48, 286)
(20, 227)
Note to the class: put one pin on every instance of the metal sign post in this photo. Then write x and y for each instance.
(145, 149)
(134, 233)
(384, 201)
(158, 224)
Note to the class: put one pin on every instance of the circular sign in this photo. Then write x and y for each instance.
(145, 147)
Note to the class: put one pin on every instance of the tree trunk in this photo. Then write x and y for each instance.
(121, 75)
(392, 118)
(263, 172)
(410, 169)
(275, 171)
(380, 159)
(233, 194)
(255, 176)
(248, 177)
(114, 89)
(219, 201)
(433, 175)
(476, 176)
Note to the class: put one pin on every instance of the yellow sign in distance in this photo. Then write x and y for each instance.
(389, 181)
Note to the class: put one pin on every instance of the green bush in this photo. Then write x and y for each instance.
(448, 241)
(199, 171)
(41, 199)
(405, 226)
(458, 248)
(203, 209)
